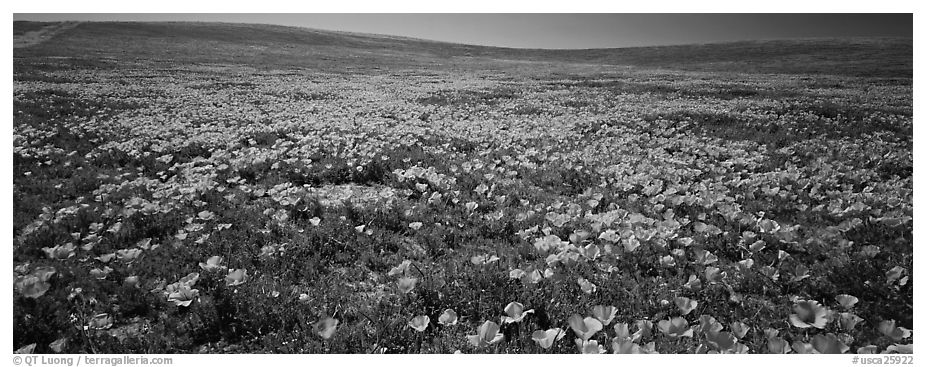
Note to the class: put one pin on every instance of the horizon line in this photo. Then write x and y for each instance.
(386, 35)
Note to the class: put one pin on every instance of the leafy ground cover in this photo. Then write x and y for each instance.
(480, 206)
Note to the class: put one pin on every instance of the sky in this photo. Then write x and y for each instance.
(560, 30)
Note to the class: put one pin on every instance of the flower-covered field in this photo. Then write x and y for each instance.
(165, 206)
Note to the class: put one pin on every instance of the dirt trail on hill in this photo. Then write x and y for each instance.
(35, 37)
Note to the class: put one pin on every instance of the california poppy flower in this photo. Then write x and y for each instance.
(101, 321)
(60, 252)
(707, 323)
(183, 296)
(212, 263)
(809, 314)
(590, 251)
(713, 274)
(770, 332)
(448, 318)
(625, 346)
(644, 329)
(848, 320)
(685, 305)
(587, 286)
(693, 283)
(739, 329)
(846, 301)
(704, 257)
(685, 241)
(676, 327)
(130, 281)
(828, 344)
(326, 327)
(531, 277)
(589, 346)
(59, 345)
(549, 242)
(105, 258)
(128, 255)
(189, 280)
(486, 334)
(584, 328)
(757, 246)
(516, 313)
(900, 348)
(144, 244)
(406, 284)
(630, 244)
(483, 259)
(891, 330)
(546, 338)
(419, 323)
(802, 348)
(744, 265)
(768, 226)
(737, 348)
(605, 314)
(31, 286)
(236, 277)
(895, 274)
(778, 345)
(27, 349)
(101, 273)
(720, 340)
(869, 251)
(578, 236)
(622, 331)
(868, 349)
(401, 268)
(800, 273)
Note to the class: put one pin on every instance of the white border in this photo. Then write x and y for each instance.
(477, 6)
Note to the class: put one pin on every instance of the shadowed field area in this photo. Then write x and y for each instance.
(207, 187)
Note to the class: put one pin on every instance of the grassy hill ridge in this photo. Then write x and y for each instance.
(293, 47)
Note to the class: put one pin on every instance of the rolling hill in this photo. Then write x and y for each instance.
(270, 46)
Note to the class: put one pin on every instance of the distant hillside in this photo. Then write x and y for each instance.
(270, 46)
